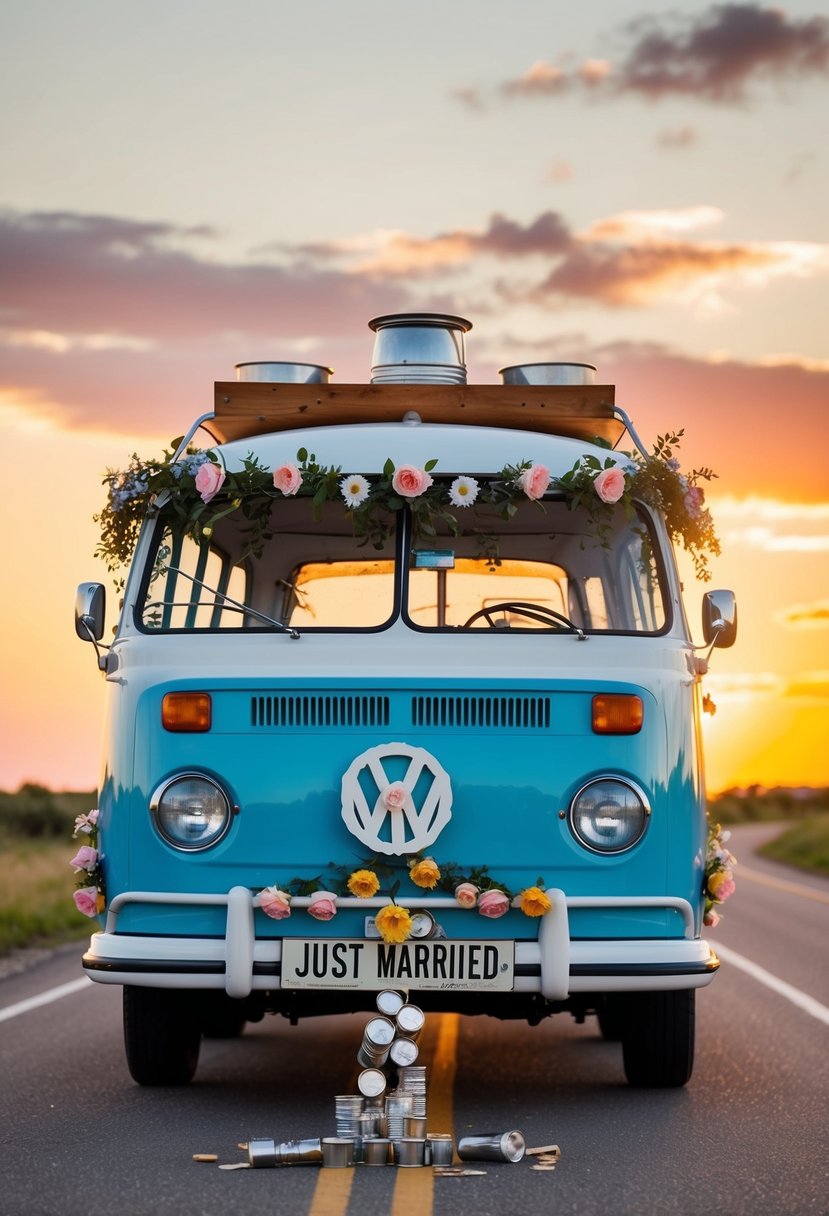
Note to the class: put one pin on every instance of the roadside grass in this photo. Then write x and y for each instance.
(805, 844)
(36, 905)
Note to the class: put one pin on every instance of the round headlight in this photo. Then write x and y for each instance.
(191, 811)
(609, 815)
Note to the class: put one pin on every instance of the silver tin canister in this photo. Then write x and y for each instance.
(262, 1153)
(375, 1058)
(371, 1082)
(492, 1146)
(389, 1001)
(549, 373)
(415, 1125)
(410, 1021)
(403, 1052)
(419, 348)
(440, 1148)
(337, 1152)
(300, 1152)
(281, 372)
(376, 1151)
(409, 1151)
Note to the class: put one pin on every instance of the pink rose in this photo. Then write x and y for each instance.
(711, 918)
(410, 482)
(86, 858)
(493, 904)
(287, 478)
(610, 484)
(534, 482)
(209, 479)
(466, 894)
(727, 887)
(275, 903)
(323, 905)
(394, 796)
(694, 499)
(86, 900)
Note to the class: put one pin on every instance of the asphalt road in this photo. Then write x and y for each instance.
(747, 1135)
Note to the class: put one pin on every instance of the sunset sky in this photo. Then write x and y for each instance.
(640, 184)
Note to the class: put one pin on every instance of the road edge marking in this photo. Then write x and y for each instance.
(44, 998)
(802, 999)
(783, 884)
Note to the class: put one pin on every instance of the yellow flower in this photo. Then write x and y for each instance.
(533, 902)
(363, 884)
(394, 924)
(425, 873)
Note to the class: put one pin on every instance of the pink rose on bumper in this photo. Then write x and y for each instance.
(86, 858)
(410, 482)
(323, 905)
(287, 478)
(711, 918)
(610, 484)
(209, 479)
(86, 900)
(466, 894)
(394, 796)
(493, 904)
(275, 903)
(534, 481)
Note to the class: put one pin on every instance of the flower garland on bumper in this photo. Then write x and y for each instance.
(719, 876)
(394, 921)
(90, 892)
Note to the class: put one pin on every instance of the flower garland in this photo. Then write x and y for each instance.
(90, 893)
(394, 921)
(719, 878)
(198, 490)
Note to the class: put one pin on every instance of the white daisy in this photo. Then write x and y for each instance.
(354, 489)
(463, 491)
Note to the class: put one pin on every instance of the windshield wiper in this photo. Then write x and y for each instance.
(221, 599)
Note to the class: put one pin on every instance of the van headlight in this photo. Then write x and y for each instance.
(191, 811)
(609, 815)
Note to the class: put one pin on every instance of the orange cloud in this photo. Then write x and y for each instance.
(805, 616)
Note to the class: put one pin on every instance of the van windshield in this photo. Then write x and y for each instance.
(542, 569)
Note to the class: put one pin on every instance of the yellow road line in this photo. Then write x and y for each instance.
(332, 1193)
(414, 1189)
(782, 884)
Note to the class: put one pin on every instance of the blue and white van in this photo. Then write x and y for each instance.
(398, 699)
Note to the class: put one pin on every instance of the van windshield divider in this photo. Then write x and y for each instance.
(219, 597)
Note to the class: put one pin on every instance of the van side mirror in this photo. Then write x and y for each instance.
(719, 618)
(90, 611)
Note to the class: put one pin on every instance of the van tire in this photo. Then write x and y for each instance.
(162, 1035)
(658, 1038)
(610, 1013)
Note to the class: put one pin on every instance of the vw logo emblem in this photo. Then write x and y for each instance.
(396, 798)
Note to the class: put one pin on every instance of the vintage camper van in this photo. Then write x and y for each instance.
(402, 696)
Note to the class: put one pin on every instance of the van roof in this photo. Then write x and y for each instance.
(244, 409)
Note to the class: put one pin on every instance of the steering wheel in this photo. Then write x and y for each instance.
(534, 612)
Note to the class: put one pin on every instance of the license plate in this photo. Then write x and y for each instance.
(463, 966)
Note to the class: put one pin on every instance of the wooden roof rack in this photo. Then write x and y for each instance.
(247, 408)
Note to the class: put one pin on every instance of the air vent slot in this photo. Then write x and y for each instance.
(482, 712)
(325, 710)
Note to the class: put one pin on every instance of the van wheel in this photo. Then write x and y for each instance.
(162, 1035)
(220, 1016)
(658, 1038)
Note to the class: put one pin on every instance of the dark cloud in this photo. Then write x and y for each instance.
(718, 53)
(82, 274)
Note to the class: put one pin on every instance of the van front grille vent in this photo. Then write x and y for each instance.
(323, 710)
(500, 713)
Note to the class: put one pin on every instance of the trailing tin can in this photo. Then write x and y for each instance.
(389, 1001)
(492, 1146)
(415, 1125)
(262, 1153)
(337, 1152)
(409, 1151)
(403, 1052)
(377, 1038)
(376, 1151)
(440, 1148)
(410, 1021)
(371, 1082)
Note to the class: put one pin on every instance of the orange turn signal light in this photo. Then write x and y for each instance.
(186, 711)
(617, 713)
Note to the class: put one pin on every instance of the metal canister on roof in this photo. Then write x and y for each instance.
(410, 1021)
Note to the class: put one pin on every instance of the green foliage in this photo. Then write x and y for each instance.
(805, 844)
(759, 805)
(36, 813)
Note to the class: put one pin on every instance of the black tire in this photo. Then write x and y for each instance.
(162, 1035)
(610, 1012)
(220, 1017)
(658, 1038)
